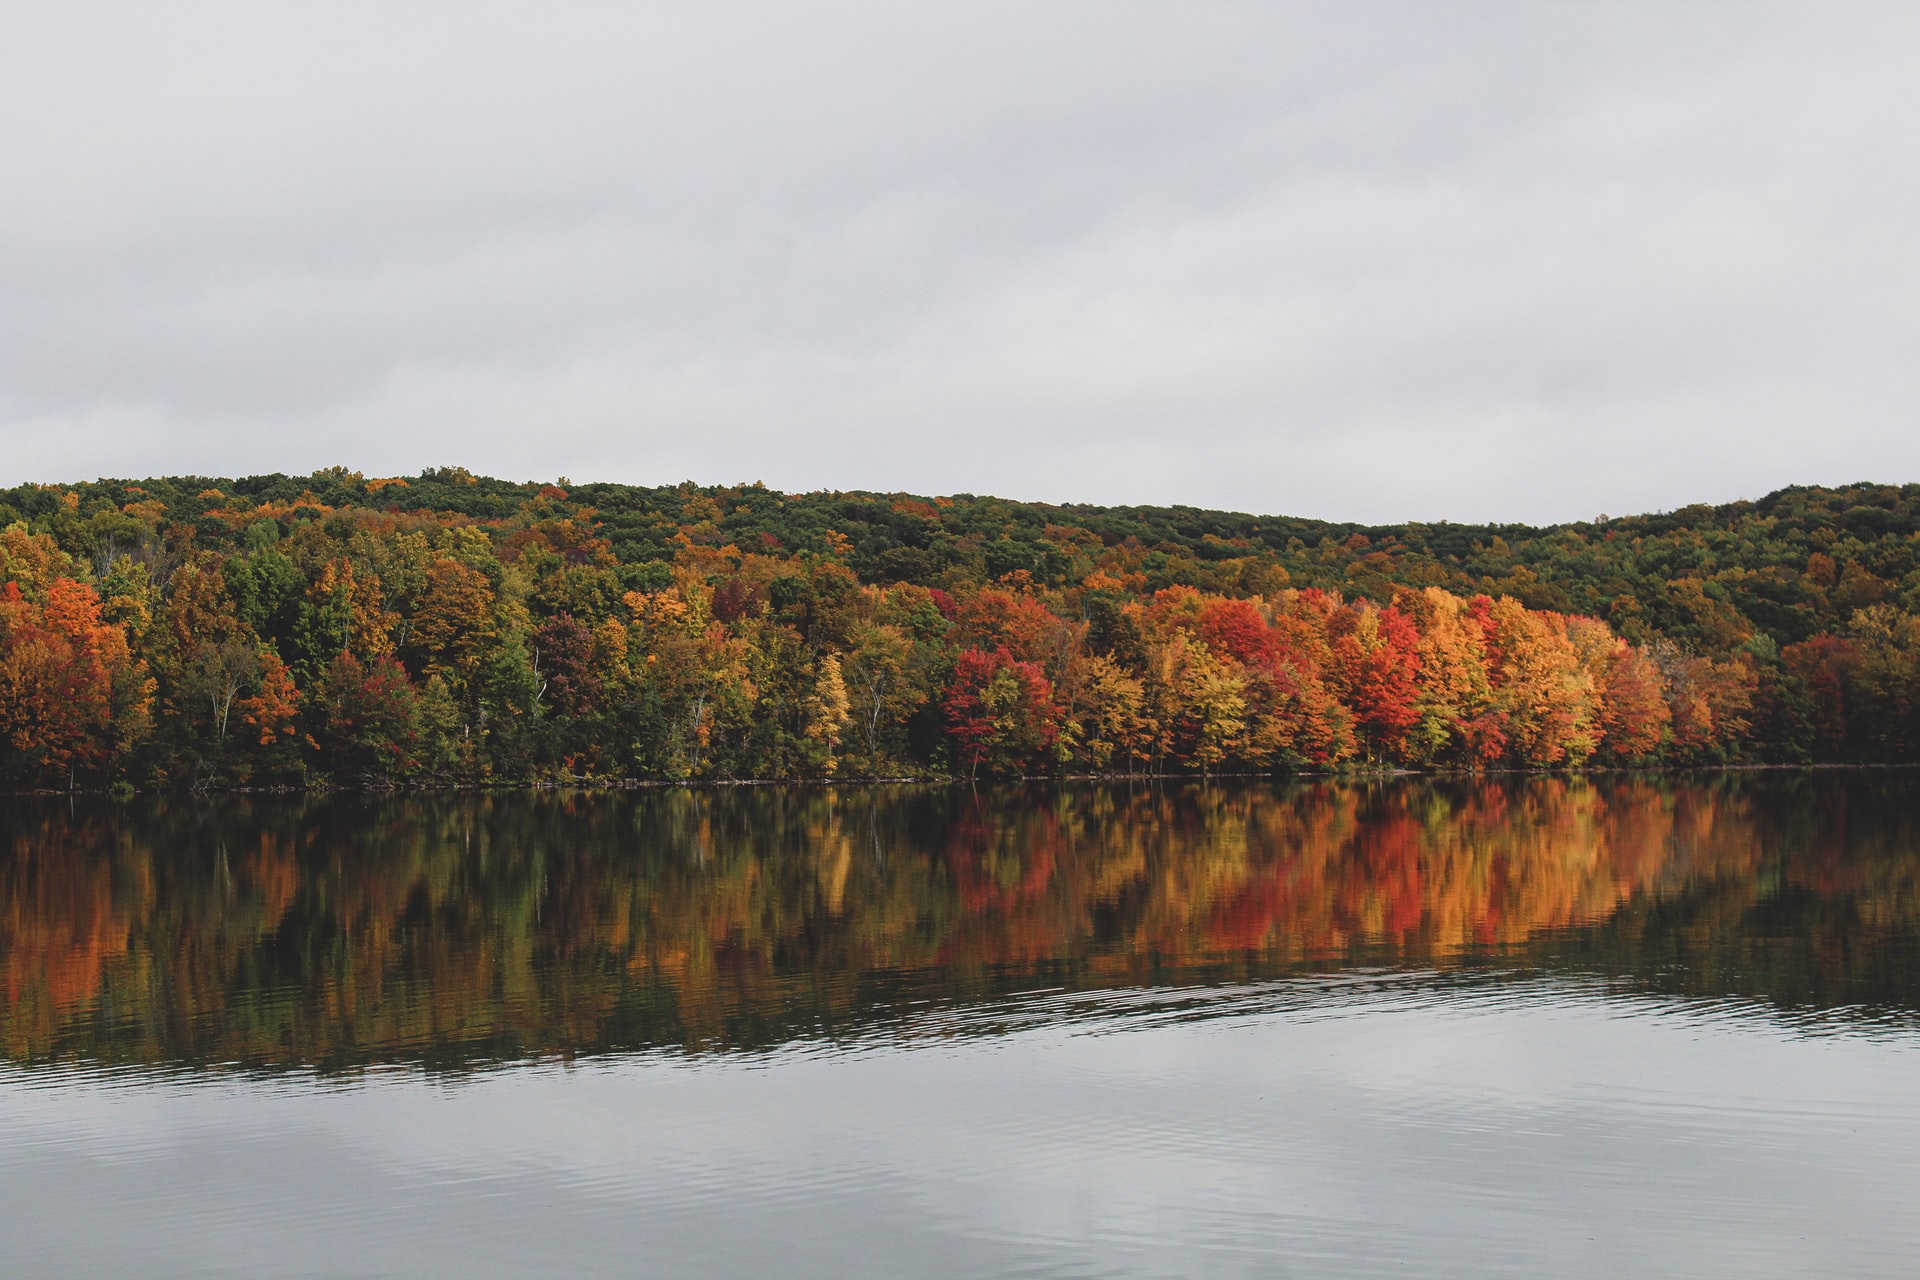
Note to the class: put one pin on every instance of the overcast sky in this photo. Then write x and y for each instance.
(1376, 261)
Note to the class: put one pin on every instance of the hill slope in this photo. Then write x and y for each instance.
(449, 627)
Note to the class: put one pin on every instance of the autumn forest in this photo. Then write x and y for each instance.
(448, 629)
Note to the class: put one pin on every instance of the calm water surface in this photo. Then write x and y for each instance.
(1494, 1027)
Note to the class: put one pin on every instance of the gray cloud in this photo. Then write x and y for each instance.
(1375, 261)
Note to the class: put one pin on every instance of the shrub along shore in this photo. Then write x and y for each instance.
(451, 630)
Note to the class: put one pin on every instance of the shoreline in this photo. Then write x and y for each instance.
(653, 784)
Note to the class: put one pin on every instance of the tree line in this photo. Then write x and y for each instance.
(449, 629)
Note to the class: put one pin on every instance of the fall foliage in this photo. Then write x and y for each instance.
(454, 630)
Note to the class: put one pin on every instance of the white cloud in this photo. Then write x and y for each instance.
(1388, 262)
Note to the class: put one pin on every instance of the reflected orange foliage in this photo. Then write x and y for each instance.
(328, 931)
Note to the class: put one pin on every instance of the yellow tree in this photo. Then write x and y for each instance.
(452, 631)
(1113, 723)
(354, 610)
(881, 683)
(827, 709)
(1214, 710)
(1546, 698)
(1453, 697)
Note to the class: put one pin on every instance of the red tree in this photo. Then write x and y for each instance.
(1000, 712)
(1376, 663)
(372, 717)
(1825, 662)
(1234, 629)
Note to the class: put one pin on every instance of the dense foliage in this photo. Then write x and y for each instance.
(448, 628)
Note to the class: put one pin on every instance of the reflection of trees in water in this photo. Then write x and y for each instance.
(337, 930)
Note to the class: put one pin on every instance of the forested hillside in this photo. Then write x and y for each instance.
(452, 629)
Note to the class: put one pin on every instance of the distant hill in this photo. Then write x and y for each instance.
(1811, 591)
(1791, 564)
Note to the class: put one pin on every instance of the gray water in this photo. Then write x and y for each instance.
(1626, 1026)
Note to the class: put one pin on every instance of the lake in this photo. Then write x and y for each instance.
(1622, 1025)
